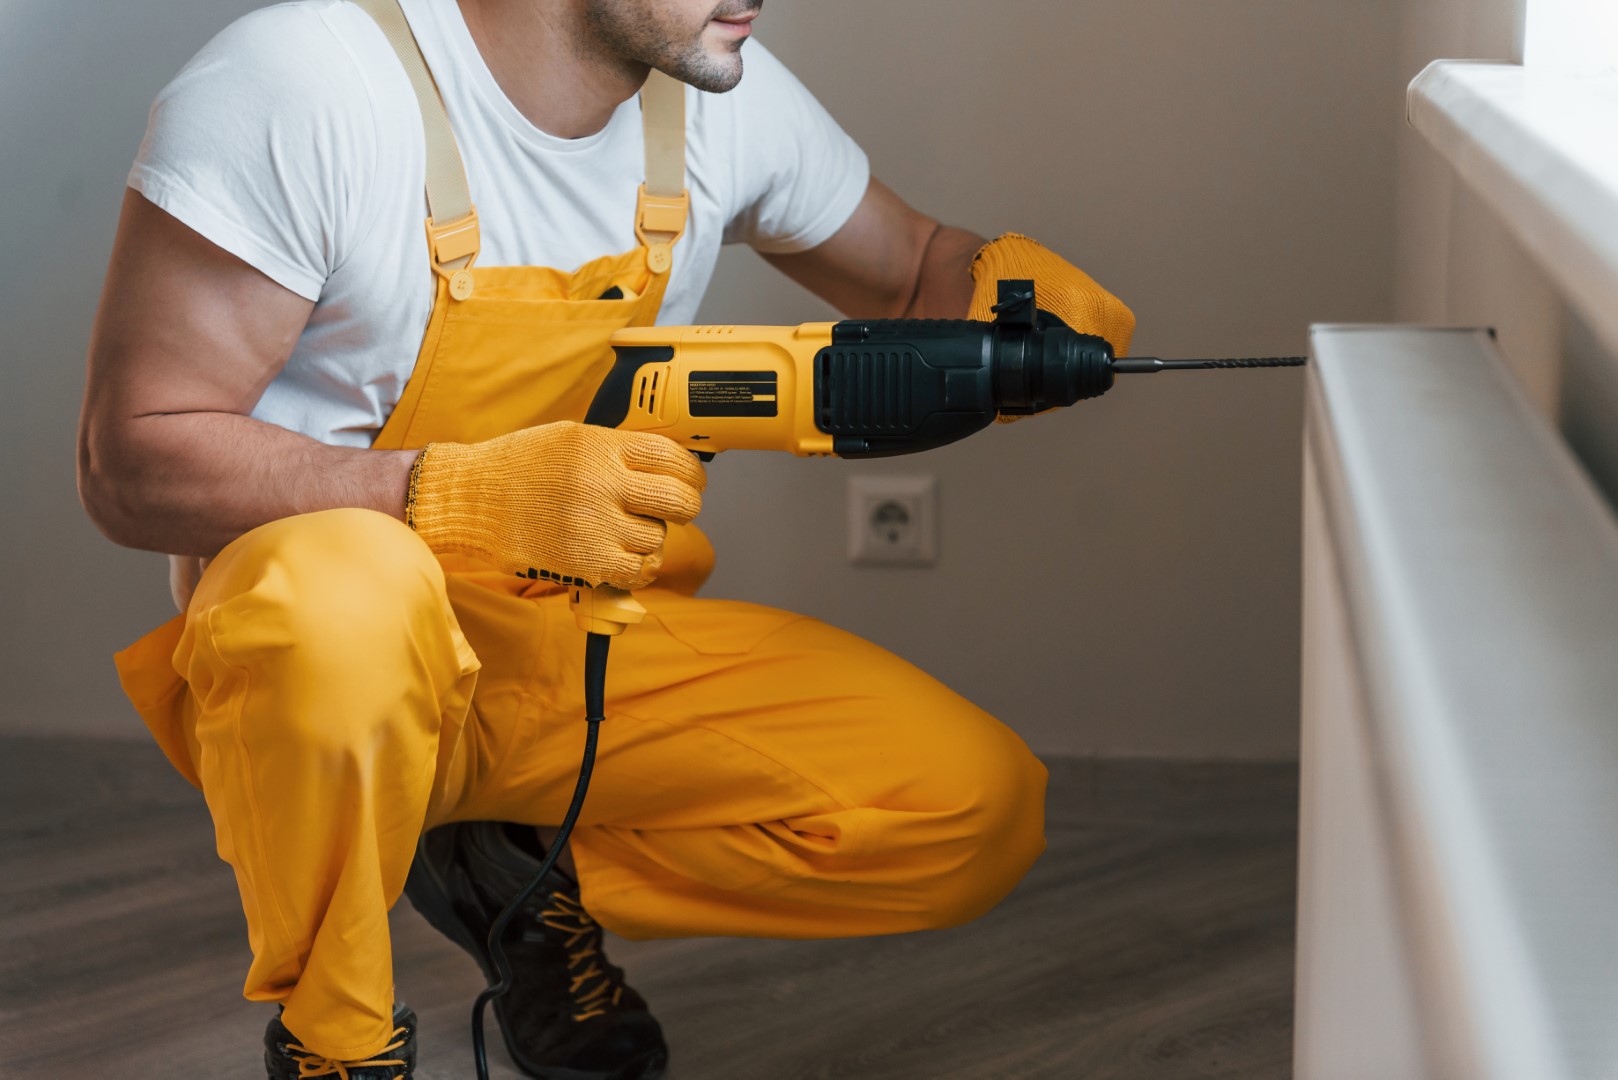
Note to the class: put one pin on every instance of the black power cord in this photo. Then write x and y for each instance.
(595, 693)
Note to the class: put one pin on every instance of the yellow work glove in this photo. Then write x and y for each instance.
(561, 501)
(1059, 288)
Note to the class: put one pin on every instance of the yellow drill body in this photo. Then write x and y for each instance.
(727, 387)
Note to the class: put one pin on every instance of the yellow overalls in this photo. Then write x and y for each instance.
(334, 689)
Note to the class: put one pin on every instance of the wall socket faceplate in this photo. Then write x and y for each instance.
(893, 520)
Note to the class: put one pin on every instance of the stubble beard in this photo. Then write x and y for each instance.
(633, 32)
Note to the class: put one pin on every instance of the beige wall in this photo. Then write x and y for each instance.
(1122, 578)
(76, 80)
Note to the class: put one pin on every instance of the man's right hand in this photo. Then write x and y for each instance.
(559, 500)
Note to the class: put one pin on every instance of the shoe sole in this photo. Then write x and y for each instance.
(429, 894)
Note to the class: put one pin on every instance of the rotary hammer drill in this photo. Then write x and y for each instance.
(853, 389)
(859, 388)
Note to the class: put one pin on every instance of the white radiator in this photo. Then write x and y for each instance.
(1458, 892)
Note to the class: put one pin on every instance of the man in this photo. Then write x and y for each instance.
(355, 434)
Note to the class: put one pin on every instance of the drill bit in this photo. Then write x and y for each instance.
(1148, 365)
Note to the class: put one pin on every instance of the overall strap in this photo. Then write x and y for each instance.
(453, 238)
(665, 205)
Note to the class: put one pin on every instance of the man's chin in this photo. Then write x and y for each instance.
(714, 70)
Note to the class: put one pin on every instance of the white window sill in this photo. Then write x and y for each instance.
(1542, 150)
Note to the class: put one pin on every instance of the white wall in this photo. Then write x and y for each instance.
(1457, 262)
(1122, 578)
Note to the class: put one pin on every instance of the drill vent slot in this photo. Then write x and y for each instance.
(649, 389)
(865, 391)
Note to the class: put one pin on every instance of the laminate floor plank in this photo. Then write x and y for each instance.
(1154, 939)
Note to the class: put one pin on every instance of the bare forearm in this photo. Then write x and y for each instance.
(889, 261)
(190, 483)
(944, 282)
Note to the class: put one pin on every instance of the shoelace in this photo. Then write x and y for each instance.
(595, 989)
(313, 1065)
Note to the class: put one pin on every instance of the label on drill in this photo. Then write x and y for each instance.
(731, 393)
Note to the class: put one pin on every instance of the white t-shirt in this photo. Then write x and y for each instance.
(293, 141)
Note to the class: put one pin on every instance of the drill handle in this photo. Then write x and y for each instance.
(605, 609)
(610, 406)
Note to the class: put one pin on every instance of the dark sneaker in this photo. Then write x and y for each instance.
(286, 1059)
(568, 1014)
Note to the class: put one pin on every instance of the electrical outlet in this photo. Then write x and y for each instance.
(893, 520)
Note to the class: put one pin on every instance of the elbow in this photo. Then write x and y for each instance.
(944, 286)
(103, 488)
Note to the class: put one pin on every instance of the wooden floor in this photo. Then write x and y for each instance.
(1154, 939)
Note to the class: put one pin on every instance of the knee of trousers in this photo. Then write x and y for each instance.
(334, 618)
(993, 811)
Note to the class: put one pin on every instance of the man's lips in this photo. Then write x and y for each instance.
(741, 24)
